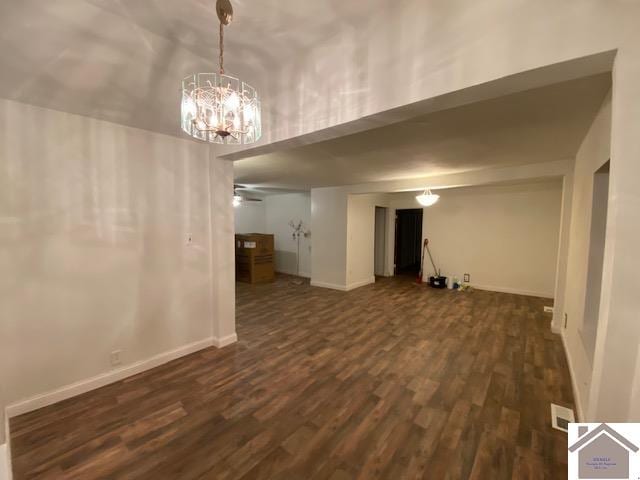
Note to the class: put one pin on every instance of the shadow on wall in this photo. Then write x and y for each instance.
(87, 223)
(286, 263)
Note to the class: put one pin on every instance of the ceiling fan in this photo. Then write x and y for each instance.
(238, 198)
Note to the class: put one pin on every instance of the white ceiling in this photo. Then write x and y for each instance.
(123, 60)
(540, 125)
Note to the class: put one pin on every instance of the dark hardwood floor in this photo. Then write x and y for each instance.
(392, 380)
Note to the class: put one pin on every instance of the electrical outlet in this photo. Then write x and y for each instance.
(115, 357)
(548, 309)
(467, 278)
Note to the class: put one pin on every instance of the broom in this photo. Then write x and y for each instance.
(424, 247)
(436, 272)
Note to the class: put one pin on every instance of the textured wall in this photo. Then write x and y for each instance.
(94, 227)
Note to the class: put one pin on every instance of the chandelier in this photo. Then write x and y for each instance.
(219, 108)
(427, 198)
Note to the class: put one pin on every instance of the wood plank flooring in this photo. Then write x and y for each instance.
(392, 380)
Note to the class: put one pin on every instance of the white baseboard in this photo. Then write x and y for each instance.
(574, 385)
(516, 291)
(83, 386)
(288, 272)
(332, 286)
(343, 288)
(5, 472)
(224, 341)
(361, 283)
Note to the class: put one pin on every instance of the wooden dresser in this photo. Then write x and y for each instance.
(254, 258)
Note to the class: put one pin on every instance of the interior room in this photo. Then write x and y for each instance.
(294, 240)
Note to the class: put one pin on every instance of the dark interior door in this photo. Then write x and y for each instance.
(408, 241)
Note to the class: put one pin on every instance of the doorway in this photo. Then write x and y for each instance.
(379, 250)
(599, 205)
(408, 241)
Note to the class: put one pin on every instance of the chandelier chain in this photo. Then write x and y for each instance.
(221, 48)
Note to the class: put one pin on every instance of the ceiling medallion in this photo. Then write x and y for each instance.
(218, 108)
(427, 198)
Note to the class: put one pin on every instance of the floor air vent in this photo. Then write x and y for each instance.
(561, 417)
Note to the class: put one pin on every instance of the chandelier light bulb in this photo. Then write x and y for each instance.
(427, 198)
(232, 102)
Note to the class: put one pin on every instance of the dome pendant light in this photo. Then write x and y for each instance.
(427, 198)
(219, 108)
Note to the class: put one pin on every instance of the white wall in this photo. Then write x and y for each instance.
(599, 205)
(222, 267)
(361, 211)
(380, 241)
(272, 215)
(329, 230)
(612, 396)
(250, 217)
(94, 220)
(505, 237)
(329, 208)
(594, 152)
(280, 209)
(607, 388)
(563, 251)
(417, 43)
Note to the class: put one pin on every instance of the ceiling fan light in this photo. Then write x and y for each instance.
(237, 200)
(427, 198)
